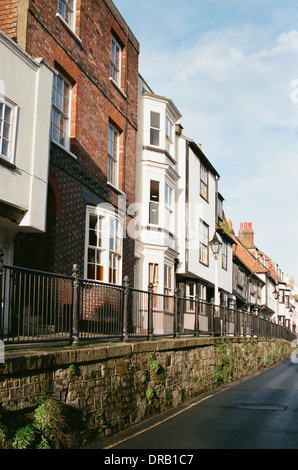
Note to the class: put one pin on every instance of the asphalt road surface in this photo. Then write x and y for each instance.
(256, 413)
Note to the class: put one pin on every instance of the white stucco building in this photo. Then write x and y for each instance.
(25, 113)
(177, 213)
(199, 207)
(156, 187)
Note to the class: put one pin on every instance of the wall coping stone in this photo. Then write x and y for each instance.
(21, 360)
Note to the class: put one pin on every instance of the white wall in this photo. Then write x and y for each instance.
(28, 84)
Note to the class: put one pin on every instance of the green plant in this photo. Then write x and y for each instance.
(47, 430)
(156, 368)
(50, 422)
(3, 431)
(24, 437)
(72, 369)
(150, 395)
(154, 365)
(101, 421)
(144, 378)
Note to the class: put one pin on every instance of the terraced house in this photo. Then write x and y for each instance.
(103, 197)
(94, 58)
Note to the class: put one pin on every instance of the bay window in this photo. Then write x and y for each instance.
(103, 251)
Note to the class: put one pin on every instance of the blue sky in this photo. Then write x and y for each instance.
(230, 67)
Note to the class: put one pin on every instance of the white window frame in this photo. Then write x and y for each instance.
(66, 9)
(204, 180)
(116, 60)
(10, 137)
(154, 203)
(169, 205)
(113, 155)
(169, 135)
(191, 296)
(204, 243)
(109, 245)
(224, 256)
(168, 287)
(154, 279)
(63, 112)
(155, 130)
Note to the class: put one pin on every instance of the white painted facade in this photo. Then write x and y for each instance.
(169, 239)
(197, 217)
(26, 93)
(155, 192)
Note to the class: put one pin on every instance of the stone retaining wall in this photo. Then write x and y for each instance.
(113, 386)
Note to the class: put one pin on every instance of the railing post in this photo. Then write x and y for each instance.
(232, 307)
(1, 280)
(150, 311)
(125, 309)
(75, 305)
(197, 313)
(176, 319)
(212, 316)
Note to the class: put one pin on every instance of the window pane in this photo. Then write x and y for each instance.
(92, 221)
(91, 255)
(7, 114)
(154, 191)
(154, 137)
(155, 120)
(6, 128)
(153, 213)
(4, 148)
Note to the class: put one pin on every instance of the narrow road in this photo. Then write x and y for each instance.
(256, 413)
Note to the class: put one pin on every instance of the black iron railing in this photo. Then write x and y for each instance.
(37, 307)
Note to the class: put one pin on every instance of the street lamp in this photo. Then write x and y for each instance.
(276, 297)
(215, 246)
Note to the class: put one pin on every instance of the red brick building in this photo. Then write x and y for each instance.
(93, 133)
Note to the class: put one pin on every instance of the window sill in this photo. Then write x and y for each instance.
(118, 88)
(204, 264)
(115, 188)
(65, 150)
(203, 197)
(7, 163)
(69, 28)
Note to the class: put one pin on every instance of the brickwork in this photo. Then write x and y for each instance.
(9, 17)
(78, 177)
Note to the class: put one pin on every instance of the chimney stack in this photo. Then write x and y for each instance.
(178, 128)
(246, 233)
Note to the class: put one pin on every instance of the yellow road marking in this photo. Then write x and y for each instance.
(167, 419)
(243, 379)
